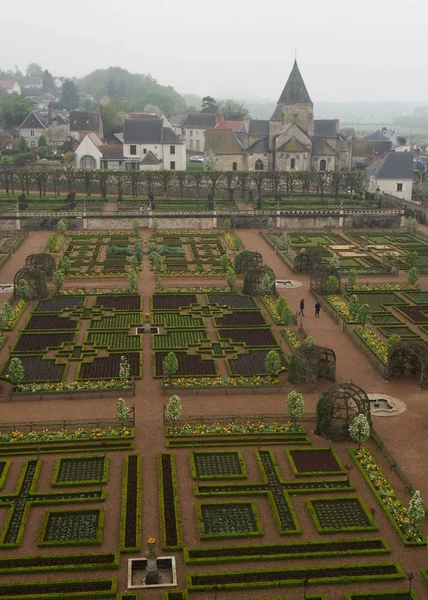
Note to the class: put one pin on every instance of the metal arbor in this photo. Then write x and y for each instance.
(304, 262)
(316, 361)
(253, 280)
(43, 261)
(246, 260)
(319, 276)
(337, 408)
(408, 358)
(36, 280)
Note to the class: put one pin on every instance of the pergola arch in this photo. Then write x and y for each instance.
(319, 275)
(43, 261)
(304, 262)
(408, 358)
(246, 260)
(36, 280)
(312, 362)
(337, 408)
(253, 280)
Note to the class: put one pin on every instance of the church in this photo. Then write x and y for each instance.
(291, 140)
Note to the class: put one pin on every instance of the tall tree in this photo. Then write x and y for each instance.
(233, 110)
(48, 81)
(20, 107)
(34, 70)
(209, 105)
(69, 95)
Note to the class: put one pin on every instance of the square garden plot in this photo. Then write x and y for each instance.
(250, 337)
(314, 461)
(232, 519)
(217, 465)
(252, 363)
(72, 528)
(82, 470)
(188, 365)
(231, 300)
(332, 515)
(58, 304)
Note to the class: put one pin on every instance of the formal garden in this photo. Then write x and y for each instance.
(298, 505)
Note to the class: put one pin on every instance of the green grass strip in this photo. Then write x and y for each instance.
(130, 515)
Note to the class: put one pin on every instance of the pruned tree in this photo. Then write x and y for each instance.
(272, 363)
(354, 306)
(416, 511)
(393, 339)
(173, 410)
(413, 275)
(133, 280)
(16, 370)
(295, 405)
(230, 277)
(224, 262)
(124, 368)
(62, 226)
(58, 279)
(3, 321)
(122, 412)
(331, 285)
(352, 277)
(364, 314)
(267, 284)
(23, 289)
(359, 429)
(170, 365)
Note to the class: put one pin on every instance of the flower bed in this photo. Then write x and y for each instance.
(80, 470)
(74, 386)
(285, 551)
(314, 462)
(234, 428)
(253, 363)
(119, 302)
(387, 497)
(253, 338)
(291, 338)
(131, 511)
(94, 588)
(72, 528)
(169, 507)
(16, 313)
(91, 291)
(217, 465)
(228, 520)
(36, 437)
(373, 342)
(59, 562)
(108, 367)
(270, 304)
(335, 515)
(173, 301)
(383, 287)
(340, 306)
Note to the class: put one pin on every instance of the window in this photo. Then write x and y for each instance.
(32, 132)
(172, 165)
(172, 149)
(54, 122)
(191, 133)
(133, 150)
(191, 144)
(323, 165)
(259, 165)
(144, 150)
(198, 143)
(33, 144)
(399, 187)
(104, 164)
(88, 162)
(293, 163)
(234, 166)
(295, 116)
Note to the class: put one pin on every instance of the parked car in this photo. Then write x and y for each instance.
(197, 159)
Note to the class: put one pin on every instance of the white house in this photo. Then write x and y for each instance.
(33, 127)
(394, 175)
(89, 153)
(10, 86)
(142, 136)
(194, 130)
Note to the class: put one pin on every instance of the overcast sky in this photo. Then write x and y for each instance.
(346, 50)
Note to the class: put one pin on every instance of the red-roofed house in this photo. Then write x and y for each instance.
(10, 86)
(237, 126)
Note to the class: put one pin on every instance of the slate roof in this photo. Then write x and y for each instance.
(29, 81)
(35, 120)
(377, 136)
(170, 137)
(259, 127)
(396, 165)
(84, 120)
(119, 136)
(292, 145)
(222, 141)
(295, 91)
(321, 146)
(200, 121)
(149, 159)
(177, 120)
(146, 131)
(260, 145)
(325, 127)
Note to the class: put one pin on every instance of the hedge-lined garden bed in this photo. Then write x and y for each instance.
(59, 562)
(131, 511)
(169, 508)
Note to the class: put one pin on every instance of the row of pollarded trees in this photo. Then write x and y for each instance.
(202, 183)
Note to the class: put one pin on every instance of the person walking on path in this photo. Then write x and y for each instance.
(317, 308)
(302, 307)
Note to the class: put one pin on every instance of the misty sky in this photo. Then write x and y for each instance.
(359, 50)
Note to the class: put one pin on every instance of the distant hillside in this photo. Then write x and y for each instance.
(137, 88)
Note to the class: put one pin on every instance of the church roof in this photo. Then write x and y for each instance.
(295, 91)
(321, 146)
(260, 145)
(222, 141)
(292, 145)
(259, 127)
(326, 128)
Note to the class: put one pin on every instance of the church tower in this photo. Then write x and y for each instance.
(294, 106)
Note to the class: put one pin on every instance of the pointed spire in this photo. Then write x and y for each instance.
(295, 91)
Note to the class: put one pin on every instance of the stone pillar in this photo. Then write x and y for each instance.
(278, 220)
(18, 221)
(214, 224)
(402, 219)
(85, 219)
(150, 218)
(341, 218)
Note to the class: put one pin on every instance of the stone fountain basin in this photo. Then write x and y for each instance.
(137, 572)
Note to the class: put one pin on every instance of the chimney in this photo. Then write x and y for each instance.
(218, 116)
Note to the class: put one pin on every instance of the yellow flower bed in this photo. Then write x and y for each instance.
(340, 306)
(373, 342)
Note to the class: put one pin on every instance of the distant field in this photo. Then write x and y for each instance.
(400, 129)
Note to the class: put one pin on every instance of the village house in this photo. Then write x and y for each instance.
(394, 176)
(10, 86)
